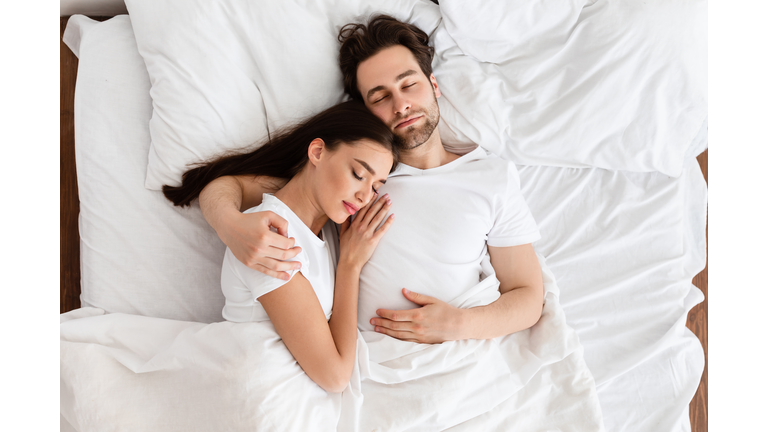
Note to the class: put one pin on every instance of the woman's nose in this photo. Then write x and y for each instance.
(365, 195)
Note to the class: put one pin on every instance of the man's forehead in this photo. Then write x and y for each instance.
(386, 67)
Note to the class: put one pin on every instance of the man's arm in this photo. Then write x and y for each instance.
(519, 306)
(248, 235)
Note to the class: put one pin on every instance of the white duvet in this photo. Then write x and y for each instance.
(129, 372)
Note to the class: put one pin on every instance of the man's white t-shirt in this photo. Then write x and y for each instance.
(242, 286)
(445, 216)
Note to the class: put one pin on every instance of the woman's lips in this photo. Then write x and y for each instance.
(350, 208)
(408, 122)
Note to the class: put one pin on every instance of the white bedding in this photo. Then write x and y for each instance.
(172, 375)
(624, 247)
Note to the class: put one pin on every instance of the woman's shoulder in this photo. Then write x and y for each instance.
(270, 203)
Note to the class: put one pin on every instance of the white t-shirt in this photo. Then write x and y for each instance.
(445, 216)
(242, 286)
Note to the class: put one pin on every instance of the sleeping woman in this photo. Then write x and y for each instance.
(335, 162)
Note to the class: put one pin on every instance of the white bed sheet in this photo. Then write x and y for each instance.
(623, 246)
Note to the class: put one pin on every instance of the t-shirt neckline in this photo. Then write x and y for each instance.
(267, 197)
(405, 169)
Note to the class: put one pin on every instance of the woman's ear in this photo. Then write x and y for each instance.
(316, 150)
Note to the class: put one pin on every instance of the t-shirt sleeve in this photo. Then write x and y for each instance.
(513, 222)
(257, 282)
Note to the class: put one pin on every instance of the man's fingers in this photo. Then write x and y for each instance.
(402, 326)
(282, 254)
(279, 223)
(419, 299)
(278, 265)
(406, 336)
(397, 315)
(268, 272)
(278, 241)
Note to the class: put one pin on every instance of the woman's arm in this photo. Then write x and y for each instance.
(248, 235)
(326, 349)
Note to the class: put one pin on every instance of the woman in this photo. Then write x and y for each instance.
(335, 162)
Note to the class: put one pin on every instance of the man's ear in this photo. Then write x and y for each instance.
(316, 150)
(434, 85)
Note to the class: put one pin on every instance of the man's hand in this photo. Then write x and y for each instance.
(248, 235)
(252, 242)
(434, 322)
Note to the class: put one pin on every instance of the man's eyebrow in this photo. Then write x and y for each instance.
(397, 78)
(368, 167)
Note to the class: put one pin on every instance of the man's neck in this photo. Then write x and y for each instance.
(431, 154)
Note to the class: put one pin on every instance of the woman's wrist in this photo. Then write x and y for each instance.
(349, 265)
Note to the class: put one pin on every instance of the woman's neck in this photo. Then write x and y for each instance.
(297, 195)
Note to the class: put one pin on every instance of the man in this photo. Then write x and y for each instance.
(453, 208)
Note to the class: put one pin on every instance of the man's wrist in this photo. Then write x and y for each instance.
(228, 217)
(463, 323)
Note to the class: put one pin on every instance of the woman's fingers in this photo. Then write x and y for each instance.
(376, 209)
(383, 229)
(360, 215)
(381, 212)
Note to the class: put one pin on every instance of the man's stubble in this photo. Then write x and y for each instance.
(414, 136)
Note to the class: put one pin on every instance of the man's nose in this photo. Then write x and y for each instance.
(402, 104)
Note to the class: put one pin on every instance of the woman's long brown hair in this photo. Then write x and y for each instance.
(285, 154)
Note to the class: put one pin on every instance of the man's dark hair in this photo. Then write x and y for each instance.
(360, 42)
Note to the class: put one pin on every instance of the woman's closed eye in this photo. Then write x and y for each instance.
(359, 178)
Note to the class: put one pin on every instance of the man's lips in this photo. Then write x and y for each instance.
(408, 122)
(350, 208)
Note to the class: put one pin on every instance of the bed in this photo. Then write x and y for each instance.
(605, 142)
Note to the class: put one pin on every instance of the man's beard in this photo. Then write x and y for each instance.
(413, 136)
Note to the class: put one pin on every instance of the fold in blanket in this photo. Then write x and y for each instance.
(130, 372)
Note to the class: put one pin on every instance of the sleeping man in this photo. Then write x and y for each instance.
(450, 208)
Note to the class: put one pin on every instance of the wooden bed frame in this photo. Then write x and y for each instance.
(70, 238)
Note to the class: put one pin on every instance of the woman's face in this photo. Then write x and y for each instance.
(348, 176)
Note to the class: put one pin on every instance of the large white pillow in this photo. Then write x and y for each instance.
(616, 84)
(138, 253)
(225, 72)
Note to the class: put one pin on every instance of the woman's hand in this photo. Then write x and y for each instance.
(360, 237)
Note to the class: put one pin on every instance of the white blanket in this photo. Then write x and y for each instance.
(128, 372)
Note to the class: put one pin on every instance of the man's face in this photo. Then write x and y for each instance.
(396, 90)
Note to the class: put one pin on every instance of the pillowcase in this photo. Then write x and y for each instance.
(612, 84)
(225, 73)
(138, 253)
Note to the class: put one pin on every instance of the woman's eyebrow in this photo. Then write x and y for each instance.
(366, 166)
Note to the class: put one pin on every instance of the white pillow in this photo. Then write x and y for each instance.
(223, 73)
(138, 253)
(616, 84)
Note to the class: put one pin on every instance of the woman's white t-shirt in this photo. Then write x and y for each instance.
(242, 286)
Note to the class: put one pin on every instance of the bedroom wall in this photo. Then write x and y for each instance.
(92, 7)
